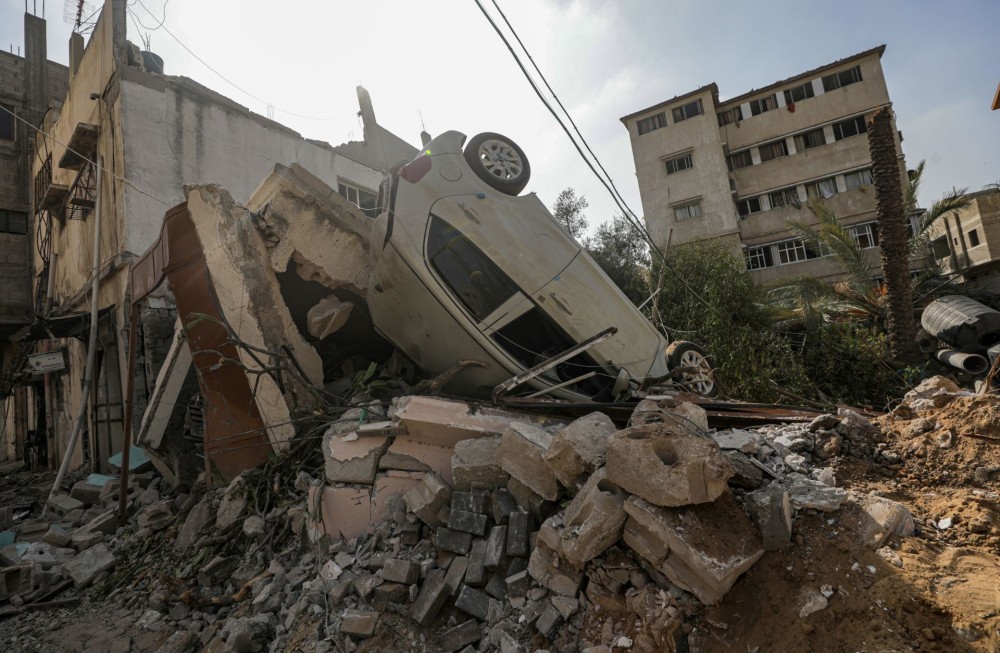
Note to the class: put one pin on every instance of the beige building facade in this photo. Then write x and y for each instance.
(740, 170)
(966, 243)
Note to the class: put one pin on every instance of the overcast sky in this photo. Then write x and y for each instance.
(438, 65)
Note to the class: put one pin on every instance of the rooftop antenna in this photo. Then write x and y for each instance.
(77, 12)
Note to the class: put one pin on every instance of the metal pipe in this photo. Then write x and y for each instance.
(88, 374)
(129, 404)
(972, 363)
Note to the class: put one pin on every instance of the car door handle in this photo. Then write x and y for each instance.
(560, 302)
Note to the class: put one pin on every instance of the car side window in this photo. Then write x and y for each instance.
(476, 280)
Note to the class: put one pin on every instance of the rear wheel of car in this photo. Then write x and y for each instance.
(697, 373)
(499, 162)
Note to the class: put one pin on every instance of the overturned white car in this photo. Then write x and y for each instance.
(464, 269)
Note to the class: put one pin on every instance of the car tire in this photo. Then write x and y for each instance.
(499, 162)
(687, 354)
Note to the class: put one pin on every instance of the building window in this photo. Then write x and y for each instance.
(773, 150)
(739, 160)
(689, 110)
(939, 246)
(759, 257)
(791, 251)
(865, 235)
(858, 179)
(748, 206)
(730, 115)
(825, 188)
(475, 279)
(12, 222)
(843, 78)
(849, 128)
(687, 211)
(679, 163)
(974, 237)
(359, 197)
(651, 123)
(799, 93)
(809, 139)
(768, 103)
(784, 197)
(6, 123)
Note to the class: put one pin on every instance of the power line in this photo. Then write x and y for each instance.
(608, 184)
(234, 84)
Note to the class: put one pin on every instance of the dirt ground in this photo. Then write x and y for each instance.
(939, 592)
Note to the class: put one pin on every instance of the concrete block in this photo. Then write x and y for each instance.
(467, 522)
(217, 570)
(551, 572)
(157, 516)
(401, 571)
(197, 518)
(537, 506)
(473, 602)
(495, 554)
(521, 454)
(593, 520)
(327, 316)
(518, 528)
(56, 536)
(737, 440)
(447, 422)
(518, 584)
(87, 565)
(502, 504)
(804, 492)
(456, 574)
(61, 504)
(359, 623)
(497, 587)
(107, 523)
(474, 464)
(433, 594)
(459, 636)
(549, 621)
(702, 548)
(579, 448)
(353, 459)
(476, 502)
(389, 489)
(745, 474)
(16, 579)
(475, 575)
(413, 456)
(426, 499)
(678, 416)
(771, 511)
(881, 518)
(86, 493)
(453, 541)
(667, 469)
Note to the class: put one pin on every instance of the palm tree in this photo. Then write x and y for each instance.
(806, 300)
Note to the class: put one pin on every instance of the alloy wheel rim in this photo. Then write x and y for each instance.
(500, 159)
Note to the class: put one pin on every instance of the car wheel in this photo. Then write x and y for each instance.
(499, 162)
(698, 375)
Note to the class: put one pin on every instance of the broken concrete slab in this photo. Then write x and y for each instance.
(521, 454)
(86, 493)
(90, 563)
(537, 506)
(428, 499)
(701, 548)
(459, 636)
(804, 492)
(327, 316)
(352, 459)
(340, 512)
(682, 416)
(61, 504)
(882, 518)
(474, 464)
(359, 623)
(737, 440)
(546, 567)
(578, 449)
(197, 518)
(667, 469)
(389, 489)
(56, 536)
(771, 510)
(746, 474)
(433, 594)
(445, 423)
(593, 520)
(15, 579)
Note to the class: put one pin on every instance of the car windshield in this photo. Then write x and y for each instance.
(476, 280)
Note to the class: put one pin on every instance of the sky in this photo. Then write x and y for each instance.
(438, 65)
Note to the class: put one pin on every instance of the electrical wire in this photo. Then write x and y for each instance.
(233, 84)
(88, 160)
(627, 212)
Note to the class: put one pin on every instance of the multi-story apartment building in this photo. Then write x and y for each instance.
(740, 170)
(966, 243)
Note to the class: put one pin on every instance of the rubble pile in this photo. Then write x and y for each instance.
(455, 527)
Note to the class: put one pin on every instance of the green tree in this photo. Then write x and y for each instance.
(620, 249)
(568, 211)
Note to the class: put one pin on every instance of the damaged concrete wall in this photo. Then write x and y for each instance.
(251, 302)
